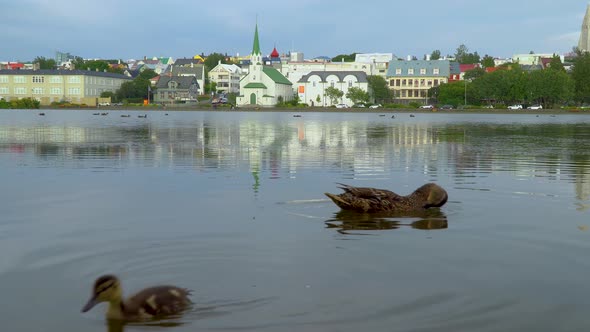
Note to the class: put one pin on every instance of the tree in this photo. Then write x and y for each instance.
(345, 57)
(357, 95)
(488, 61)
(378, 86)
(452, 93)
(138, 88)
(333, 94)
(556, 64)
(45, 63)
(213, 60)
(464, 57)
(550, 87)
(435, 55)
(474, 73)
(581, 77)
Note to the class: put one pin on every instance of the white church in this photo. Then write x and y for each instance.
(263, 85)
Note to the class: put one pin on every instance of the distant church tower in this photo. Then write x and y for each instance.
(584, 43)
(256, 56)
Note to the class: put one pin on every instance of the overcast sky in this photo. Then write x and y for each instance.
(181, 28)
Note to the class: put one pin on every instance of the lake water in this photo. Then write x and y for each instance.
(231, 205)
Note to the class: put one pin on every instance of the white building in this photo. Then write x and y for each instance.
(227, 77)
(263, 85)
(311, 87)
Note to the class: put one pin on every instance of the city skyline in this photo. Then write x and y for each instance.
(126, 30)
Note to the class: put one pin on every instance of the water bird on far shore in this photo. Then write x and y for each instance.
(125, 115)
(142, 116)
(150, 303)
(42, 114)
(378, 200)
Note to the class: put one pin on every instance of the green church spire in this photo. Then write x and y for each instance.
(256, 47)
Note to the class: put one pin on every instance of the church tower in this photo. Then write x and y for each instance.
(256, 56)
(584, 43)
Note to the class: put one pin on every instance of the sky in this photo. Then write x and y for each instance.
(132, 29)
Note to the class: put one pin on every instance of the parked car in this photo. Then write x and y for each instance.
(359, 105)
(535, 107)
(375, 106)
(106, 103)
(341, 106)
(446, 107)
(489, 106)
(515, 107)
(428, 107)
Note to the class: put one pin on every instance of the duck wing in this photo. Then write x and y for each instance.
(365, 198)
(157, 301)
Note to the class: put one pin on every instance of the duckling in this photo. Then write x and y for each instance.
(152, 302)
(377, 200)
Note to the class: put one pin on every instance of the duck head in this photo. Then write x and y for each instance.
(432, 195)
(107, 288)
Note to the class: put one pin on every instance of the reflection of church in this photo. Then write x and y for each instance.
(264, 85)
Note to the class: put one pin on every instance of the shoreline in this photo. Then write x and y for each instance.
(316, 110)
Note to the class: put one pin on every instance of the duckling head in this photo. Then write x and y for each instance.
(433, 195)
(107, 288)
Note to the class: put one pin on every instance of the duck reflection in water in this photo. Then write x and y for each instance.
(345, 221)
(116, 325)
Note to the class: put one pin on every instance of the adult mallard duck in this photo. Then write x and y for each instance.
(378, 200)
(153, 302)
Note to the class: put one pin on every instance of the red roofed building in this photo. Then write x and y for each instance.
(15, 65)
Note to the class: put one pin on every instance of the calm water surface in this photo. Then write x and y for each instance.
(232, 206)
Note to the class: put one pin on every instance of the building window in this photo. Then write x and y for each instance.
(422, 82)
(313, 83)
(435, 71)
(411, 71)
(74, 91)
(435, 82)
(332, 84)
(37, 91)
(20, 91)
(422, 71)
(350, 84)
(55, 79)
(38, 79)
(55, 91)
(3, 79)
(74, 79)
(398, 71)
(19, 79)
(4, 90)
(397, 82)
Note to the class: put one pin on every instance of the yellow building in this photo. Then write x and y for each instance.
(47, 86)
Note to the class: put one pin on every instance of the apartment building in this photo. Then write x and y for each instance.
(47, 86)
(411, 80)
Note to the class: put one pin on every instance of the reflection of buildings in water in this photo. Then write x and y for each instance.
(358, 147)
(582, 188)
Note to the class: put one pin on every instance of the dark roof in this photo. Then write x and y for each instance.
(178, 70)
(63, 72)
(184, 82)
(185, 61)
(361, 76)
